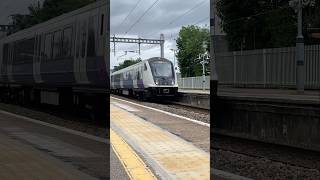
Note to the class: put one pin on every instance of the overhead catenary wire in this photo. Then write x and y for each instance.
(187, 12)
(139, 19)
(182, 15)
(131, 11)
(201, 21)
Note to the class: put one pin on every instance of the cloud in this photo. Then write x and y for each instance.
(155, 22)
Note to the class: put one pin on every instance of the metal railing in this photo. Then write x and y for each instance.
(194, 83)
(268, 68)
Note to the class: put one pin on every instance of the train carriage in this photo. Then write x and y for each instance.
(62, 61)
(150, 78)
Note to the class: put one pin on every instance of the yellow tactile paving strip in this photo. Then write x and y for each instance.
(178, 158)
(134, 166)
(19, 161)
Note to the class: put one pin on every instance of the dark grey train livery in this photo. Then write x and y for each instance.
(63, 60)
(150, 78)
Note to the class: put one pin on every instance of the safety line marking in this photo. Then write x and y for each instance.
(165, 112)
(126, 107)
(132, 163)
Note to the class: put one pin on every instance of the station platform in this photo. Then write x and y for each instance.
(166, 155)
(201, 99)
(277, 95)
(32, 149)
(280, 94)
(21, 161)
(194, 91)
(277, 116)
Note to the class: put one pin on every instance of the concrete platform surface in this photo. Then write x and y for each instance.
(194, 91)
(31, 149)
(284, 95)
(169, 156)
(21, 161)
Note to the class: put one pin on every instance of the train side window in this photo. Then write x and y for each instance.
(24, 51)
(138, 75)
(67, 42)
(48, 47)
(56, 45)
(5, 55)
(102, 24)
(30, 50)
(42, 48)
(84, 39)
(78, 37)
(91, 49)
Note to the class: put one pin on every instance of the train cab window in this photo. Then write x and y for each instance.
(48, 47)
(67, 42)
(56, 45)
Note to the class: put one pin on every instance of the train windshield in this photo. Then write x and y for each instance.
(161, 68)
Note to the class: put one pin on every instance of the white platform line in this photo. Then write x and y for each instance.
(165, 112)
(71, 131)
(126, 107)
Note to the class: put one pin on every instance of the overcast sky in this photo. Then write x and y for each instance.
(155, 22)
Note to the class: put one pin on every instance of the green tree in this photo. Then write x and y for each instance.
(126, 63)
(49, 9)
(263, 23)
(190, 45)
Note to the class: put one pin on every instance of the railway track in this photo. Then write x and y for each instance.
(259, 160)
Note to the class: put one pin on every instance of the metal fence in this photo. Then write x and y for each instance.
(269, 68)
(194, 83)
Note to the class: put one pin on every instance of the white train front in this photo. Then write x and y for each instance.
(150, 78)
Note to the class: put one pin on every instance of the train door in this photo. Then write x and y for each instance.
(37, 58)
(10, 62)
(3, 58)
(83, 50)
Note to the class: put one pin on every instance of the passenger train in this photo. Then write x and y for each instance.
(155, 77)
(62, 61)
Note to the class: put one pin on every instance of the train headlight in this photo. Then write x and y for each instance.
(172, 82)
(157, 82)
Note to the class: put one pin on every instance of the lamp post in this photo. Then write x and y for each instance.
(174, 57)
(300, 77)
(204, 60)
(300, 62)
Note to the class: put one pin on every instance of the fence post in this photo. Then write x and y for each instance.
(192, 87)
(182, 84)
(264, 68)
(234, 68)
